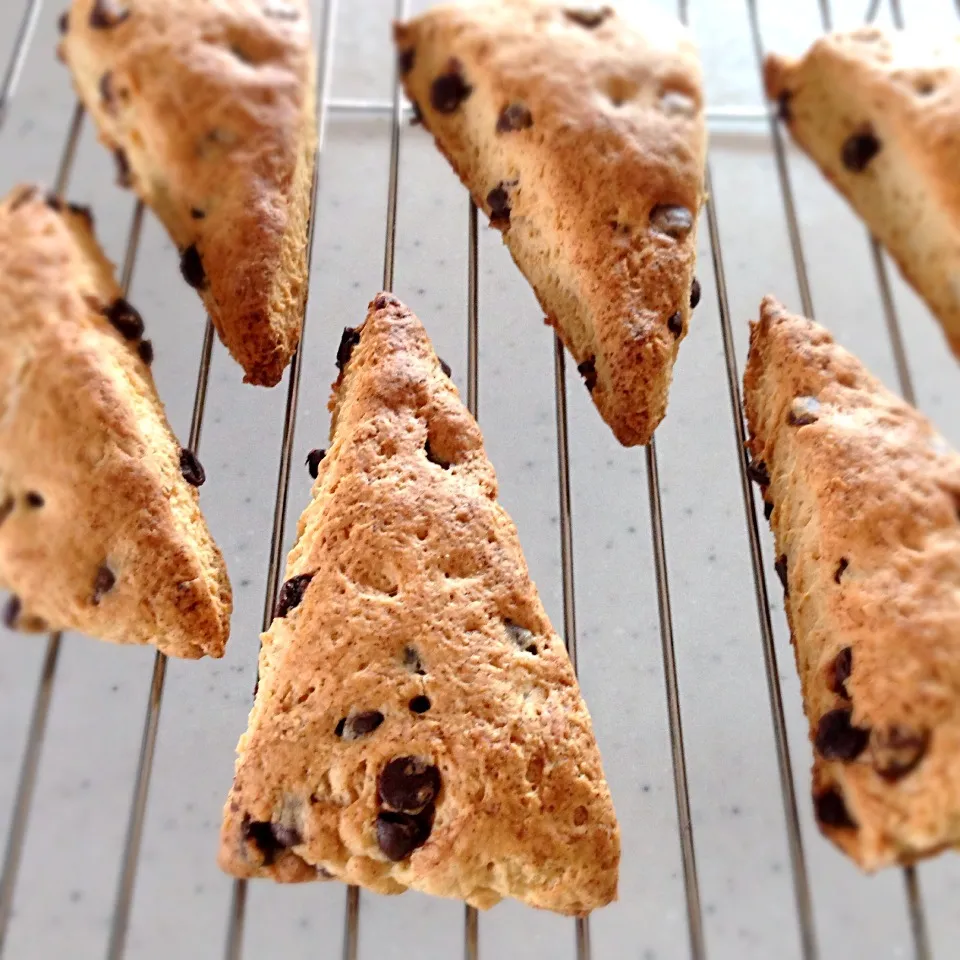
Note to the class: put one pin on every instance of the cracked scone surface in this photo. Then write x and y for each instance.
(100, 531)
(417, 722)
(866, 514)
(880, 115)
(209, 109)
(582, 137)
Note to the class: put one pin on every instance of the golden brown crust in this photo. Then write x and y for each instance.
(588, 132)
(212, 106)
(903, 91)
(419, 589)
(866, 515)
(90, 474)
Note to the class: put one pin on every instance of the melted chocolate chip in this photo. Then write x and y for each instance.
(408, 784)
(63, 23)
(313, 461)
(399, 834)
(671, 220)
(197, 213)
(840, 672)
(124, 319)
(767, 509)
(588, 370)
(11, 612)
(435, 458)
(803, 411)
(897, 751)
(841, 569)
(675, 324)
(34, 499)
(359, 725)
(405, 61)
(781, 567)
(348, 340)
(498, 200)
(269, 838)
(758, 473)
(450, 89)
(412, 661)
(191, 267)
(291, 593)
(123, 168)
(590, 19)
(103, 583)
(694, 293)
(420, 704)
(514, 116)
(104, 15)
(445, 367)
(191, 468)
(145, 351)
(831, 811)
(858, 150)
(837, 738)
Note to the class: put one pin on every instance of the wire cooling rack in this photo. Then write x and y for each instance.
(705, 935)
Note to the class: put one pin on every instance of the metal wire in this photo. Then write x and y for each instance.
(21, 45)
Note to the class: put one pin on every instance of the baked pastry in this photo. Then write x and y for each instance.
(417, 721)
(583, 138)
(100, 524)
(880, 115)
(866, 512)
(209, 109)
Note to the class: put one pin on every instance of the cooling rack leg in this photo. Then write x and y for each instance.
(21, 45)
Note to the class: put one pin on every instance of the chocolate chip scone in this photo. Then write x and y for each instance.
(209, 109)
(417, 721)
(880, 115)
(100, 523)
(865, 498)
(583, 138)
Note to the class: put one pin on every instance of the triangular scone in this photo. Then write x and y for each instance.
(100, 524)
(582, 136)
(417, 722)
(209, 108)
(880, 115)
(866, 511)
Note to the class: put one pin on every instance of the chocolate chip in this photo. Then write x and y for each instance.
(445, 367)
(103, 15)
(291, 593)
(384, 300)
(784, 112)
(348, 340)
(767, 509)
(145, 351)
(123, 168)
(408, 784)
(694, 293)
(197, 213)
(399, 834)
(450, 89)
(837, 738)
(269, 838)
(191, 468)
(841, 568)
(106, 91)
(420, 704)
(671, 220)
(103, 583)
(859, 149)
(831, 811)
(34, 499)
(781, 567)
(359, 725)
(514, 116)
(591, 19)
(434, 458)
(313, 461)
(498, 200)
(191, 267)
(840, 673)
(521, 637)
(11, 612)
(758, 473)
(897, 751)
(412, 661)
(125, 319)
(405, 61)
(803, 411)
(588, 370)
(675, 324)
(63, 23)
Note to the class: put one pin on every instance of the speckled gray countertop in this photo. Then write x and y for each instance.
(64, 897)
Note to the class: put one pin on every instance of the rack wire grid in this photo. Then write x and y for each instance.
(115, 761)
